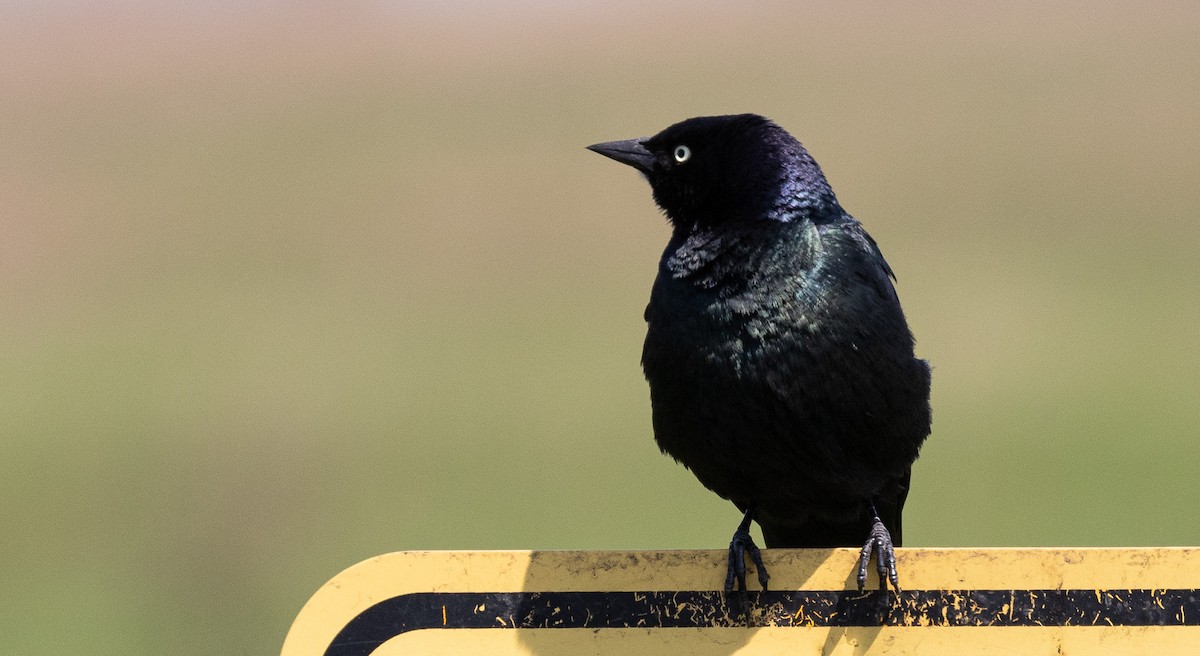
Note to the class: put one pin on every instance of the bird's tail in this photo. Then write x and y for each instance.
(852, 531)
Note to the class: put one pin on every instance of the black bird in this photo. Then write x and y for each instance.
(781, 367)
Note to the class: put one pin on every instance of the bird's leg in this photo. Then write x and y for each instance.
(741, 545)
(879, 542)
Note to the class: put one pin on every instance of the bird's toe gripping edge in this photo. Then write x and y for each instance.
(740, 546)
(879, 543)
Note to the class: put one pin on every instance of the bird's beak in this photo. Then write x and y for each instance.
(630, 151)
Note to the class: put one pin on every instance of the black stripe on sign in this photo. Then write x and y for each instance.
(823, 608)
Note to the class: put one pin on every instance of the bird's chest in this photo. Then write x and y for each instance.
(724, 334)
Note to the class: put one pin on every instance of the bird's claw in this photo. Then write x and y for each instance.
(879, 542)
(739, 547)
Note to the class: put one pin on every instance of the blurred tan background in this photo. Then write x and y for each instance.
(285, 286)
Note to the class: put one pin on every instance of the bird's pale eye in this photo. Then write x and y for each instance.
(682, 153)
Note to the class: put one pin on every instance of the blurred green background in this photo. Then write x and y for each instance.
(287, 286)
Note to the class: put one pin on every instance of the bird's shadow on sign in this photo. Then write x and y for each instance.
(652, 602)
(841, 621)
(858, 639)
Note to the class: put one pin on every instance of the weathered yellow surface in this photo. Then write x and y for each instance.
(951, 641)
(392, 575)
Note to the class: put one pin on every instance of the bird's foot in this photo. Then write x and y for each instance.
(879, 542)
(739, 547)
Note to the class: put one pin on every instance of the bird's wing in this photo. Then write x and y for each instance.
(878, 254)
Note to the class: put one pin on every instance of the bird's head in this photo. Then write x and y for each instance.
(712, 170)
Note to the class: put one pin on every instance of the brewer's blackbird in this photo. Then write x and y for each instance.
(781, 367)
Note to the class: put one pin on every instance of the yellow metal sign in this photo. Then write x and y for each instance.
(955, 601)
